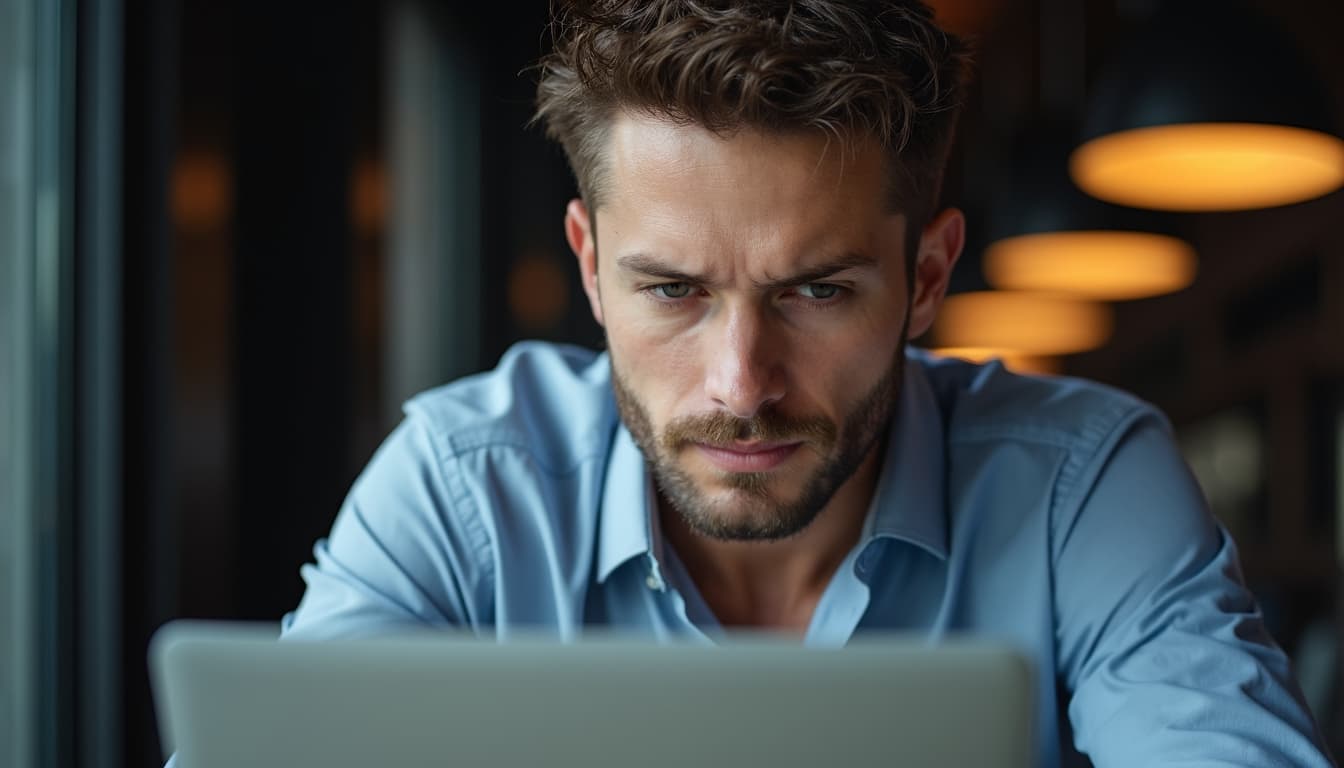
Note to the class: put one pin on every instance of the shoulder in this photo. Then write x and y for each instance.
(550, 401)
(988, 403)
(1054, 434)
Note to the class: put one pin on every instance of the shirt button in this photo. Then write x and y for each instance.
(654, 583)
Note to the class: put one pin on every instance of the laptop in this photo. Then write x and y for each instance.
(231, 695)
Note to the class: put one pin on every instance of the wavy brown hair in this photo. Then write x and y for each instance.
(850, 69)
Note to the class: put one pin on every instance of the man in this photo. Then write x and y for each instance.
(757, 234)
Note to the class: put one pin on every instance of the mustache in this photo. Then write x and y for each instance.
(770, 427)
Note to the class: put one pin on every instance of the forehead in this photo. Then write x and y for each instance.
(648, 147)
(747, 183)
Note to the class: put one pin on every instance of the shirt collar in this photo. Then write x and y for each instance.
(623, 521)
(909, 501)
(907, 505)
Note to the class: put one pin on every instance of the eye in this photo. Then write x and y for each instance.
(818, 291)
(671, 290)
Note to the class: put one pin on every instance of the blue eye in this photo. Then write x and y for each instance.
(819, 291)
(672, 290)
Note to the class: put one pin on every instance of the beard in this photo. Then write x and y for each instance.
(749, 509)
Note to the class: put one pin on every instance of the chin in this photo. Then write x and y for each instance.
(762, 513)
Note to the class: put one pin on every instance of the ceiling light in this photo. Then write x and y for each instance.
(1212, 107)
(1102, 265)
(1027, 323)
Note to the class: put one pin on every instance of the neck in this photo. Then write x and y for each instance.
(775, 584)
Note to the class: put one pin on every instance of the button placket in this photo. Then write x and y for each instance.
(654, 579)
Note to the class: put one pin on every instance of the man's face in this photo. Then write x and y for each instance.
(754, 296)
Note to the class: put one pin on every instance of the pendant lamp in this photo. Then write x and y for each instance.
(1047, 235)
(1034, 324)
(1211, 107)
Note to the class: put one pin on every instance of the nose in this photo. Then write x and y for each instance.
(744, 374)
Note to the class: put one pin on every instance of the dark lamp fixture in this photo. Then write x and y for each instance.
(1212, 107)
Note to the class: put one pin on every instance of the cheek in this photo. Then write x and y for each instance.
(846, 359)
(831, 378)
(662, 370)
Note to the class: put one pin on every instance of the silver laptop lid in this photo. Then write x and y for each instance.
(230, 695)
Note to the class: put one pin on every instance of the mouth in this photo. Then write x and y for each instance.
(747, 457)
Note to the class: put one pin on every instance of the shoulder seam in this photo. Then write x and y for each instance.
(505, 438)
(1054, 438)
(463, 508)
(1081, 467)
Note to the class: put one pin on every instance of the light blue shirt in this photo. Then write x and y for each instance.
(1053, 514)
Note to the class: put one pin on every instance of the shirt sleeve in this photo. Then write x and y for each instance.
(1159, 641)
(404, 552)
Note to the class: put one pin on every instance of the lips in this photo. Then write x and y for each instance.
(748, 457)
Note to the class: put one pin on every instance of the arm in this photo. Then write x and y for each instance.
(404, 551)
(1160, 643)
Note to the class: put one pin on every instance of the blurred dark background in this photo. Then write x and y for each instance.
(323, 208)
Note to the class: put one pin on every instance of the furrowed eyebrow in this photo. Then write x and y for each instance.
(820, 272)
(645, 264)
(649, 265)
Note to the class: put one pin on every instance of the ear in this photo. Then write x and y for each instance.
(578, 231)
(940, 246)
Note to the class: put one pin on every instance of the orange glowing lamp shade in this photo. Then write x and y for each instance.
(1011, 359)
(1099, 265)
(1027, 323)
(1209, 166)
